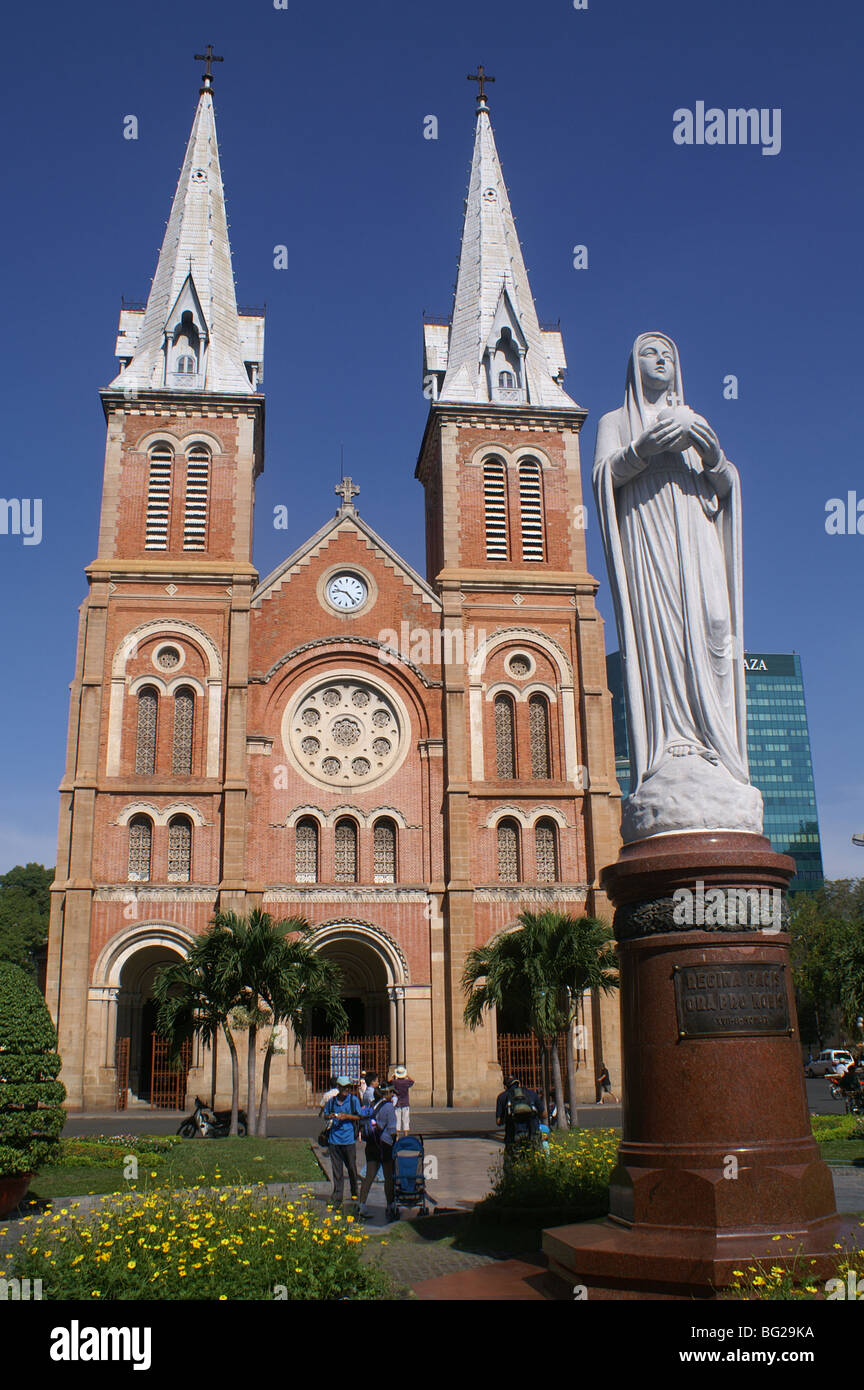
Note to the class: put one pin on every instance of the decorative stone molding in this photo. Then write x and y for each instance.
(527, 816)
(344, 893)
(143, 893)
(392, 657)
(656, 916)
(381, 941)
(534, 893)
(161, 815)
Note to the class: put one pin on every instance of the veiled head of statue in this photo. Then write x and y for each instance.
(654, 368)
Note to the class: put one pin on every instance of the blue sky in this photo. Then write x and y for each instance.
(751, 262)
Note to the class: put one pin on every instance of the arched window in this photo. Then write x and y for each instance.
(145, 746)
(186, 365)
(346, 851)
(538, 733)
(506, 379)
(508, 851)
(495, 509)
(184, 714)
(179, 849)
(158, 498)
(546, 851)
(505, 742)
(384, 851)
(140, 841)
(531, 509)
(306, 851)
(197, 490)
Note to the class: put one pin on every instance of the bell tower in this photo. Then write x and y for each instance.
(531, 802)
(153, 815)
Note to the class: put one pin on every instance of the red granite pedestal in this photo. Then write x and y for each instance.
(717, 1159)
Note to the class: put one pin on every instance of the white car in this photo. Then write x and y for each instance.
(828, 1061)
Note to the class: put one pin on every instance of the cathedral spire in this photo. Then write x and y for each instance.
(190, 336)
(493, 349)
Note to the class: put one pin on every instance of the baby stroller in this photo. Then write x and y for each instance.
(409, 1174)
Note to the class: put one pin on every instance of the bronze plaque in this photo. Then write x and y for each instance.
(727, 999)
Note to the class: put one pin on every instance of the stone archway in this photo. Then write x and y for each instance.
(121, 1005)
(374, 974)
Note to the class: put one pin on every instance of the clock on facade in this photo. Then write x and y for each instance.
(346, 591)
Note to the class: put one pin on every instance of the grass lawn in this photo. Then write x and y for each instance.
(840, 1138)
(210, 1161)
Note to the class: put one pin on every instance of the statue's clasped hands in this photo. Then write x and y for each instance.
(676, 429)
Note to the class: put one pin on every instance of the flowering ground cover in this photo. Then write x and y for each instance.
(206, 1243)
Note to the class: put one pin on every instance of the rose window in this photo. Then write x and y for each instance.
(359, 732)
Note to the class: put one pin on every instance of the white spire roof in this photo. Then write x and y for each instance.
(493, 295)
(193, 276)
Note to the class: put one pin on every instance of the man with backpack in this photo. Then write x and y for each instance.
(378, 1128)
(520, 1111)
(343, 1113)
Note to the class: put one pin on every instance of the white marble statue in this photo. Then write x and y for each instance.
(670, 513)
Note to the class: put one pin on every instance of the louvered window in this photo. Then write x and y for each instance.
(306, 851)
(346, 851)
(495, 505)
(505, 753)
(546, 851)
(180, 849)
(197, 490)
(140, 840)
(538, 732)
(158, 498)
(531, 508)
(184, 713)
(508, 852)
(384, 851)
(145, 747)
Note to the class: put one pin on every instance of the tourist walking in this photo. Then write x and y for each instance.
(402, 1083)
(379, 1151)
(344, 1112)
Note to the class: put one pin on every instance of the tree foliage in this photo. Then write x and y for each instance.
(827, 949)
(24, 911)
(31, 1097)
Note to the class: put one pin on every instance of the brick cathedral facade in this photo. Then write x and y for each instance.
(407, 762)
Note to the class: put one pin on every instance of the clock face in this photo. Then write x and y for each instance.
(346, 591)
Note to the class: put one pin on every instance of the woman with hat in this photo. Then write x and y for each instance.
(402, 1083)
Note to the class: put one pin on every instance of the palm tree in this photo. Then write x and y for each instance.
(278, 978)
(196, 997)
(548, 961)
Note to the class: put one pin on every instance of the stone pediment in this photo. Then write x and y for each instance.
(346, 521)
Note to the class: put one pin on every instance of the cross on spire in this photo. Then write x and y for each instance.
(480, 77)
(209, 58)
(347, 490)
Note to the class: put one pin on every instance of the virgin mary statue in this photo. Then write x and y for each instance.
(670, 514)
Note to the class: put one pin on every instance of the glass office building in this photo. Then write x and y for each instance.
(778, 748)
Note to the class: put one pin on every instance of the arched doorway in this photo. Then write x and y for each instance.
(373, 973)
(136, 1023)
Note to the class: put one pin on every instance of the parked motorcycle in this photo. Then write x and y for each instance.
(210, 1124)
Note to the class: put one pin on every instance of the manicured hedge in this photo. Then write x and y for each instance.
(31, 1110)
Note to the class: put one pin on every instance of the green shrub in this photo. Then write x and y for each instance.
(571, 1175)
(208, 1243)
(31, 1109)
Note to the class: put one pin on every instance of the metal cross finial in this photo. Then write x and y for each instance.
(347, 490)
(209, 58)
(480, 76)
